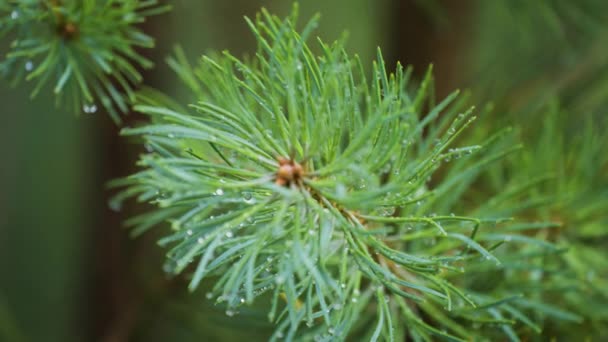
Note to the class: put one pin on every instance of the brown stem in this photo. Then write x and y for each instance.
(65, 28)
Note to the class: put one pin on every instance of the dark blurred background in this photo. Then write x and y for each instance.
(69, 271)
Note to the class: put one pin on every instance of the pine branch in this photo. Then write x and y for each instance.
(570, 190)
(85, 50)
(296, 177)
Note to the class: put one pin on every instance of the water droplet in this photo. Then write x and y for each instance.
(229, 313)
(14, 15)
(171, 135)
(29, 66)
(219, 192)
(248, 198)
(200, 240)
(343, 285)
(279, 279)
(229, 234)
(189, 232)
(209, 295)
(311, 232)
(508, 238)
(242, 300)
(92, 108)
(387, 211)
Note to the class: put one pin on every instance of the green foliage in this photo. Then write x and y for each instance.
(341, 205)
(85, 50)
(567, 184)
(345, 202)
(552, 82)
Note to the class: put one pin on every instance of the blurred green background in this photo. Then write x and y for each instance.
(69, 272)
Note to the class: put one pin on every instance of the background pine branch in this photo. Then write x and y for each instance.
(85, 51)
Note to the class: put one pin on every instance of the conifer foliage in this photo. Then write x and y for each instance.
(342, 198)
(84, 50)
(296, 178)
